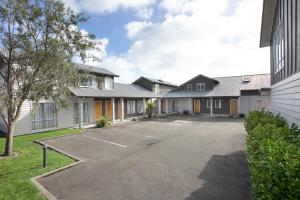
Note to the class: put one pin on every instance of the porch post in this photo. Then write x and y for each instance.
(144, 107)
(122, 109)
(211, 106)
(80, 109)
(191, 105)
(159, 106)
(112, 110)
(167, 106)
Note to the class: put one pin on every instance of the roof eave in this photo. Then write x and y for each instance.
(268, 13)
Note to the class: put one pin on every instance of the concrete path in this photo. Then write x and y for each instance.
(164, 159)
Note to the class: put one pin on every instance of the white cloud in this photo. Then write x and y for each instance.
(136, 28)
(106, 6)
(145, 13)
(196, 37)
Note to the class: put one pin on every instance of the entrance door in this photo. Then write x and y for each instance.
(233, 107)
(98, 109)
(197, 107)
(108, 108)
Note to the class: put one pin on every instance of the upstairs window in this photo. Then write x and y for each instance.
(200, 86)
(87, 80)
(278, 43)
(189, 87)
(156, 88)
(109, 82)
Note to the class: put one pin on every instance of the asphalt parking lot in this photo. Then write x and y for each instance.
(162, 159)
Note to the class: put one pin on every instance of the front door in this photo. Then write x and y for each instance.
(108, 108)
(197, 107)
(98, 110)
(233, 107)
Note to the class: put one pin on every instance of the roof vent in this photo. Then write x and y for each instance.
(160, 80)
(246, 80)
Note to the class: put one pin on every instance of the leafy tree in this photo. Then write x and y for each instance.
(38, 40)
(150, 107)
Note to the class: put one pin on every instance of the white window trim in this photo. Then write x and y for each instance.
(189, 87)
(220, 103)
(261, 103)
(200, 88)
(208, 103)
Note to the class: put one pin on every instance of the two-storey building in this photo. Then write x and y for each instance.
(280, 30)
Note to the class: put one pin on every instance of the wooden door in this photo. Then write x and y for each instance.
(98, 109)
(197, 107)
(108, 108)
(233, 107)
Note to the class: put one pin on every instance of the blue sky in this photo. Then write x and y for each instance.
(176, 39)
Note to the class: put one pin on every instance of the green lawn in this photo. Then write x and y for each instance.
(15, 173)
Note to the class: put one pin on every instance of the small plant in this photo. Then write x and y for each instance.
(150, 106)
(103, 122)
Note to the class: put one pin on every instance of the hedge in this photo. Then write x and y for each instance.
(273, 153)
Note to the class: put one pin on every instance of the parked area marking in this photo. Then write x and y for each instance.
(123, 131)
(98, 139)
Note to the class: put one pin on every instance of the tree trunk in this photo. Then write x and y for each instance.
(9, 139)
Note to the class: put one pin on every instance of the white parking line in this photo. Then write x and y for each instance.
(123, 131)
(98, 139)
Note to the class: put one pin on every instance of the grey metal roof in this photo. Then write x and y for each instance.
(228, 86)
(97, 70)
(120, 90)
(157, 81)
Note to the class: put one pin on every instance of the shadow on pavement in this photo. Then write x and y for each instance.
(224, 177)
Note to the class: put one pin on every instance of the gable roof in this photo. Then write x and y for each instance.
(269, 8)
(152, 80)
(96, 70)
(228, 86)
(200, 75)
(120, 90)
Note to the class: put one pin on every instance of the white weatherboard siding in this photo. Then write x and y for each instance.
(24, 124)
(183, 104)
(248, 103)
(285, 98)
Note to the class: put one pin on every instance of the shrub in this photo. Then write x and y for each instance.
(273, 152)
(255, 118)
(103, 122)
(150, 107)
(186, 112)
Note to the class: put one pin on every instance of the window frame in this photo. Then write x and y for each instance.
(261, 104)
(189, 87)
(46, 119)
(132, 107)
(220, 103)
(200, 88)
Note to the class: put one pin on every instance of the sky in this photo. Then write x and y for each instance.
(175, 40)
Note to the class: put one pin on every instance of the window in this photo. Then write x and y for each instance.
(130, 107)
(258, 104)
(189, 87)
(278, 48)
(109, 83)
(45, 116)
(100, 82)
(87, 80)
(140, 106)
(156, 88)
(86, 112)
(208, 103)
(218, 103)
(200, 86)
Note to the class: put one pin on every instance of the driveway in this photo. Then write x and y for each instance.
(168, 158)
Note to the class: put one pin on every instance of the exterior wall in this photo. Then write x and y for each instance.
(225, 106)
(209, 84)
(164, 88)
(24, 124)
(285, 98)
(171, 107)
(248, 102)
(291, 23)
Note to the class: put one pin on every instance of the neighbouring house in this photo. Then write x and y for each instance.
(98, 95)
(280, 30)
(221, 96)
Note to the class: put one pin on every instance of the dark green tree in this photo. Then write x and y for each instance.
(38, 39)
